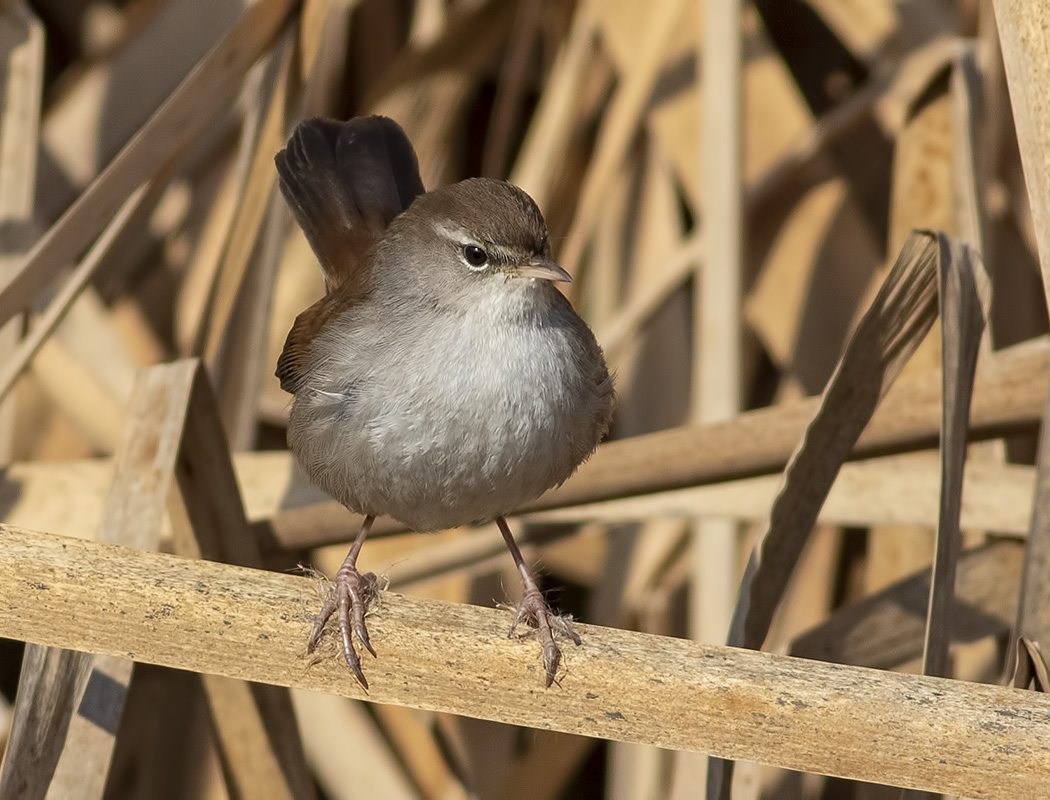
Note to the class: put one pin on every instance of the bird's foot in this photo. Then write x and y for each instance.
(546, 625)
(350, 596)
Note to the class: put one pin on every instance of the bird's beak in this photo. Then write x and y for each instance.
(542, 269)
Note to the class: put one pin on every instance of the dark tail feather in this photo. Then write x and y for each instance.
(345, 182)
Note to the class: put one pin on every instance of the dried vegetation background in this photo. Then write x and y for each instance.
(733, 186)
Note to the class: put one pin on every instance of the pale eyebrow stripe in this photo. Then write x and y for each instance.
(453, 232)
(460, 235)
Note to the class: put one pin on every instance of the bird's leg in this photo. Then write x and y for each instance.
(351, 595)
(535, 612)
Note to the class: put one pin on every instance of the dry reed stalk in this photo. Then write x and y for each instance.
(140, 201)
(887, 629)
(1025, 44)
(669, 692)
(84, 695)
(598, 107)
(369, 767)
(963, 300)
(716, 372)
(255, 725)
(618, 128)
(888, 334)
(22, 56)
(211, 85)
(414, 739)
(923, 196)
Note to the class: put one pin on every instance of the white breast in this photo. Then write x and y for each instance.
(461, 420)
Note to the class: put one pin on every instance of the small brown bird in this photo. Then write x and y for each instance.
(442, 380)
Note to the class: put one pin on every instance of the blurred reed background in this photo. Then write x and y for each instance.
(729, 183)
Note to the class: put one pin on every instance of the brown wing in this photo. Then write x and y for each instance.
(345, 182)
(295, 357)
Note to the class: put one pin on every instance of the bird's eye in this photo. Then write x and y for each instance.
(475, 256)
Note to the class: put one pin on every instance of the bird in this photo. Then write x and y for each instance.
(443, 379)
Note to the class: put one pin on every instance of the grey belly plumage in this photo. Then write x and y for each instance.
(465, 441)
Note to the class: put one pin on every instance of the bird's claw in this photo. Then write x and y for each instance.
(350, 596)
(535, 613)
